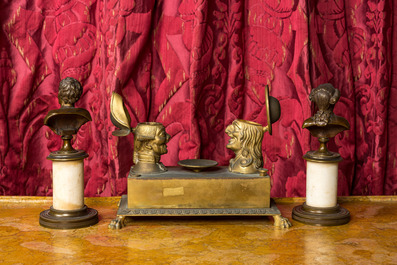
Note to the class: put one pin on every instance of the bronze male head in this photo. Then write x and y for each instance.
(246, 142)
(70, 91)
(150, 143)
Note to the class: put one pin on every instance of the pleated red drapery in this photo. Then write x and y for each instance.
(195, 66)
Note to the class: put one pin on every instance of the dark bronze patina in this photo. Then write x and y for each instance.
(329, 216)
(66, 121)
(323, 125)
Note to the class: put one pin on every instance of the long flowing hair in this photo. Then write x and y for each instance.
(251, 140)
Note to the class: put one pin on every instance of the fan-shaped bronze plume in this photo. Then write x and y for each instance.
(119, 116)
(273, 110)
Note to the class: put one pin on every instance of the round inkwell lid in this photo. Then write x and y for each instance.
(197, 165)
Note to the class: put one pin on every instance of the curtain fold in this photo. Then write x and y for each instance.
(195, 66)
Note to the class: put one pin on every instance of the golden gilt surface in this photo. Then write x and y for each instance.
(213, 188)
(369, 238)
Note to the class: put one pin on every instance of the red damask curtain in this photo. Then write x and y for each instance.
(195, 66)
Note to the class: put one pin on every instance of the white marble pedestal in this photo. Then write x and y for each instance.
(321, 207)
(321, 184)
(68, 210)
(68, 185)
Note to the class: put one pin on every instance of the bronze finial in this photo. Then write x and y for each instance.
(246, 139)
(150, 140)
(67, 120)
(325, 124)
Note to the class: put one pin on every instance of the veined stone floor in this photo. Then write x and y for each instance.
(369, 238)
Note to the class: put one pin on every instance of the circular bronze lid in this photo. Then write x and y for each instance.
(197, 165)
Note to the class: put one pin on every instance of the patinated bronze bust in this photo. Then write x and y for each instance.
(325, 124)
(68, 210)
(67, 120)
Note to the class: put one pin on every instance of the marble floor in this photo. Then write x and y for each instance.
(369, 238)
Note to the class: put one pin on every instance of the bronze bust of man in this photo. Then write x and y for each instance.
(246, 139)
(149, 144)
(67, 120)
(246, 142)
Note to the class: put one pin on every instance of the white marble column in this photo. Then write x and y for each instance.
(68, 184)
(321, 184)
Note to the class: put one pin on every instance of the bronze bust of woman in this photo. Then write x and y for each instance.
(325, 124)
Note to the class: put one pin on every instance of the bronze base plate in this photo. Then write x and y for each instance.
(331, 216)
(211, 192)
(124, 211)
(59, 219)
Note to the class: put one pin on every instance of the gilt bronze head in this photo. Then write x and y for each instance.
(246, 139)
(150, 138)
(246, 142)
(150, 143)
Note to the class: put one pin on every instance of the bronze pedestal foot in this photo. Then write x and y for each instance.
(321, 216)
(62, 219)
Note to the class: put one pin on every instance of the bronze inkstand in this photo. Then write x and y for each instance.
(68, 210)
(198, 187)
(321, 207)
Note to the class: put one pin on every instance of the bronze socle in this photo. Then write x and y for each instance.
(66, 122)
